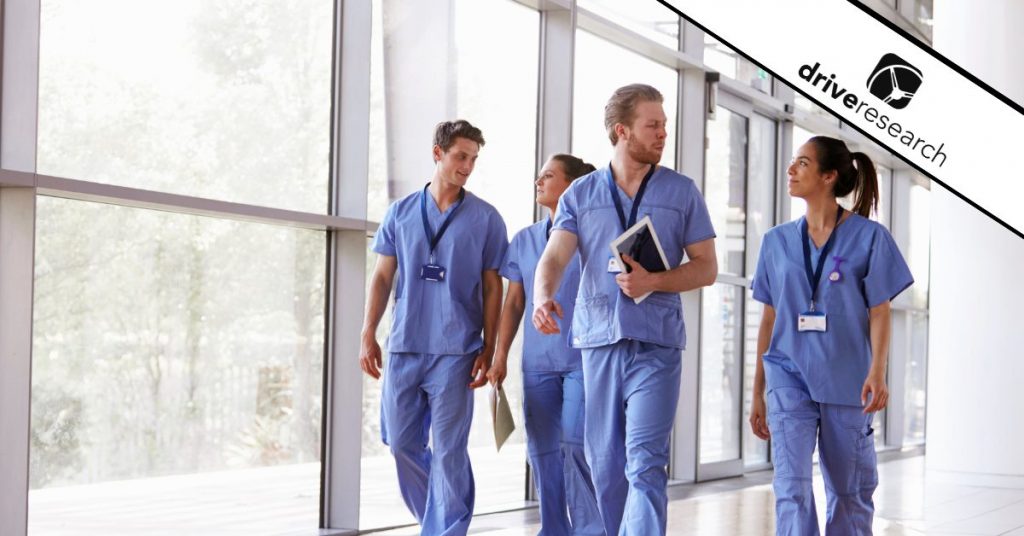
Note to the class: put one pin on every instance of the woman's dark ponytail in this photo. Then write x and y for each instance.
(574, 167)
(866, 200)
(855, 172)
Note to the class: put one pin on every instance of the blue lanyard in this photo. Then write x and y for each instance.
(636, 200)
(814, 277)
(547, 230)
(431, 237)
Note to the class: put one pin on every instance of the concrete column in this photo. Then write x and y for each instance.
(976, 359)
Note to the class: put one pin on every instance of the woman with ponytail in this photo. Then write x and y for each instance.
(826, 281)
(552, 370)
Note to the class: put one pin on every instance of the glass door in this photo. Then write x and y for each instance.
(740, 167)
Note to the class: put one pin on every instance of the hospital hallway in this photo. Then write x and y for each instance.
(907, 503)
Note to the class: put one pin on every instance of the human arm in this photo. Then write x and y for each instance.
(508, 325)
(559, 251)
(880, 324)
(492, 308)
(758, 409)
(699, 271)
(380, 288)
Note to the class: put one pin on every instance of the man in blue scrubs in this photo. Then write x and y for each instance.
(631, 352)
(445, 246)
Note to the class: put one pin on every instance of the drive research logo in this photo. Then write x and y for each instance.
(894, 81)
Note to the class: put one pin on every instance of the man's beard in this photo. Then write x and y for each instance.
(642, 154)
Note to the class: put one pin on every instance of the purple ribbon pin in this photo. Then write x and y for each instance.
(834, 276)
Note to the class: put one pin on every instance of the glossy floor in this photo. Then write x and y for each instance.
(908, 501)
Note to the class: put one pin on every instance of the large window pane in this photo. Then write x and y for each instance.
(649, 19)
(797, 206)
(601, 68)
(177, 360)
(914, 402)
(725, 187)
(721, 379)
(760, 217)
(731, 63)
(919, 251)
(228, 100)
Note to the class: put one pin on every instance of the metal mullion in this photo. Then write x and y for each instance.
(182, 204)
(346, 266)
(19, 89)
(690, 127)
(762, 102)
(555, 83)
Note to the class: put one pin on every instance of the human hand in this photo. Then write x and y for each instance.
(544, 317)
(875, 386)
(481, 363)
(369, 356)
(759, 418)
(637, 282)
(496, 374)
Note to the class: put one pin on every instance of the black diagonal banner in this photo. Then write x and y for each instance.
(893, 89)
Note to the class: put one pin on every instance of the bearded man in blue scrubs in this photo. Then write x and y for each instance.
(631, 352)
(445, 246)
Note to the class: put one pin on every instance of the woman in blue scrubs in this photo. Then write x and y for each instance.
(552, 371)
(826, 281)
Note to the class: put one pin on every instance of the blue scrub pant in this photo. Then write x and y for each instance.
(424, 392)
(846, 454)
(632, 388)
(553, 410)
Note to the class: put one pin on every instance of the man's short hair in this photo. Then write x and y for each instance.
(446, 132)
(621, 108)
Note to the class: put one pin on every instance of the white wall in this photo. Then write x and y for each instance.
(976, 361)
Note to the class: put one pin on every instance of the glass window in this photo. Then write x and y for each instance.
(760, 218)
(914, 402)
(491, 72)
(805, 104)
(732, 64)
(721, 372)
(725, 187)
(601, 68)
(177, 360)
(377, 193)
(722, 335)
(648, 19)
(923, 17)
(797, 206)
(227, 102)
(884, 194)
(919, 250)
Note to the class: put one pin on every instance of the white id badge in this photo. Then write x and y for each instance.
(811, 321)
(613, 266)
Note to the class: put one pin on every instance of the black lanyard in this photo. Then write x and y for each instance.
(636, 200)
(431, 237)
(815, 277)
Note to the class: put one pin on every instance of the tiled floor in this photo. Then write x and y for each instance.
(908, 502)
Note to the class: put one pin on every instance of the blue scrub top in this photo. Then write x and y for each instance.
(443, 317)
(834, 363)
(604, 315)
(543, 352)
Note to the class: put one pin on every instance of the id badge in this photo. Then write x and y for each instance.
(613, 266)
(432, 272)
(811, 321)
